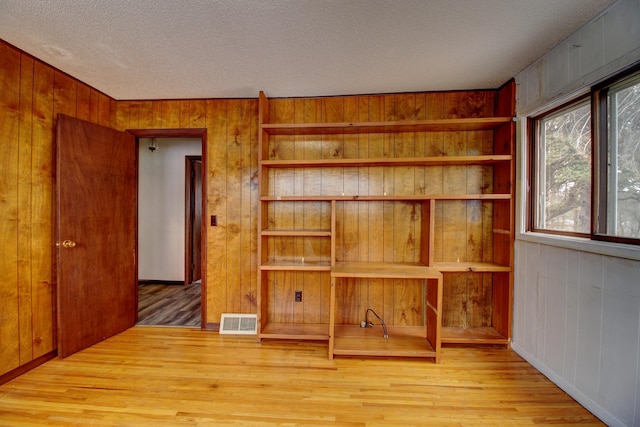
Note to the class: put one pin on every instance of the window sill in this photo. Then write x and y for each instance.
(617, 250)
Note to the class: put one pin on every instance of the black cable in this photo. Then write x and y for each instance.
(367, 323)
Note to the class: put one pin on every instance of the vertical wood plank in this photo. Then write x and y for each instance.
(332, 146)
(184, 116)
(64, 94)
(197, 114)
(249, 192)
(83, 102)
(406, 296)
(24, 209)
(487, 215)
(301, 250)
(420, 144)
(157, 114)
(362, 213)
(353, 289)
(314, 216)
(9, 151)
(170, 114)
(234, 204)
(284, 217)
(134, 115)
(475, 225)
(351, 243)
(94, 105)
(376, 297)
(42, 220)
(433, 175)
(454, 215)
(105, 114)
(217, 204)
(145, 115)
(122, 115)
(332, 110)
(113, 108)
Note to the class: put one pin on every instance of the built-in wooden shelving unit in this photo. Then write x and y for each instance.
(412, 218)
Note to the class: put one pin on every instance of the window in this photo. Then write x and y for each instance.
(583, 189)
(618, 160)
(562, 173)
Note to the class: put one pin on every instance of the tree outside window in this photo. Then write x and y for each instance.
(563, 184)
(623, 159)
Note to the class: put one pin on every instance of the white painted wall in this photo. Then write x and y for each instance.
(161, 207)
(576, 302)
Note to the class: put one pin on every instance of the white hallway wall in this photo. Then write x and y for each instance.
(577, 303)
(161, 207)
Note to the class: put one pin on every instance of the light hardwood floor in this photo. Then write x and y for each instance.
(150, 376)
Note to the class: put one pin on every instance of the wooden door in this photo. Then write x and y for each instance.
(194, 219)
(95, 233)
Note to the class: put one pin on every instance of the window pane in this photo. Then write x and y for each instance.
(564, 175)
(623, 204)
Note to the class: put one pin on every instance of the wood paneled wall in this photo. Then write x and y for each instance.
(31, 95)
(231, 165)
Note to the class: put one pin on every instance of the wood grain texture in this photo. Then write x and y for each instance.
(234, 204)
(32, 94)
(216, 199)
(9, 163)
(392, 231)
(24, 207)
(42, 172)
(192, 377)
(96, 278)
(35, 93)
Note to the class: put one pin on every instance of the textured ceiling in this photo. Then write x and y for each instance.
(161, 49)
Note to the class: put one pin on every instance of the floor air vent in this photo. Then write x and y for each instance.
(239, 324)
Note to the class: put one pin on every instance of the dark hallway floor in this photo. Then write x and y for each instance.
(169, 305)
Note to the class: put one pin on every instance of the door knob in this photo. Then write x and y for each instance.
(68, 244)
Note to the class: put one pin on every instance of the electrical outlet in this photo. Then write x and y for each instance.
(298, 296)
(214, 220)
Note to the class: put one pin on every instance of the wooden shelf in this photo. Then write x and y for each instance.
(296, 232)
(442, 125)
(307, 174)
(383, 270)
(383, 198)
(410, 161)
(479, 335)
(296, 266)
(492, 196)
(407, 341)
(295, 331)
(476, 267)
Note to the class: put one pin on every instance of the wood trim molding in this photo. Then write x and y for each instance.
(168, 133)
(189, 133)
(4, 378)
(211, 326)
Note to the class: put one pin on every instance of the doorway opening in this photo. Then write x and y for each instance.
(170, 228)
